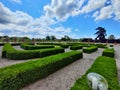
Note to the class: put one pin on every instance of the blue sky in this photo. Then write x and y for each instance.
(75, 18)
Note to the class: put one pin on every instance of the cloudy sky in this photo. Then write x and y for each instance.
(75, 18)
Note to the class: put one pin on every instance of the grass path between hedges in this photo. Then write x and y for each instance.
(64, 78)
(117, 57)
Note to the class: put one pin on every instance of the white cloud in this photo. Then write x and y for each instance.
(62, 9)
(17, 1)
(105, 13)
(92, 5)
(116, 7)
(21, 24)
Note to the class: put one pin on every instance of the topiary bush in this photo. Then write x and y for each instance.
(64, 45)
(14, 77)
(101, 45)
(109, 52)
(10, 53)
(90, 49)
(6, 48)
(104, 66)
(34, 47)
(75, 47)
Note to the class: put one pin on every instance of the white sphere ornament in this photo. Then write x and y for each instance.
(97, 81)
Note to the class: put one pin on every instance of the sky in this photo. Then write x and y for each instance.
(75, 18)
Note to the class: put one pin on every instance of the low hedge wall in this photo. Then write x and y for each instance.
(75, 47)
(10, 53)
(16, 76)
(34, 47)
(90, 49)
(104, 66)
(108, 52)
(6, 48)
(101, 45)
(64, 45)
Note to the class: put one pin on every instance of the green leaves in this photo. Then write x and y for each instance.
(104, 66)
(16, 76)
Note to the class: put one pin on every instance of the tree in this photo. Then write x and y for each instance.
(53, 38)
(111, 37)
(65, 38)
(48, 38)
(101, 33)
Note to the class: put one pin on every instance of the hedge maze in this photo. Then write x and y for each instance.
(52, 57)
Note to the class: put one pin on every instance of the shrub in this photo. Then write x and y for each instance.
(75, 47)
(90, 49)
(108, 52)
(29, 54)
(33, 47)
(16, 76)
(111, 45)
(64, 45)
(101, 45)
(104, 66)
(6, 48)
(10, 53)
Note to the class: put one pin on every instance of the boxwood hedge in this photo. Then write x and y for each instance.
(108, 52)
(75, 47)
(10, 53)
(104, 66)
(16, 76)
(7, 47)
(34, 47)
(90, 49)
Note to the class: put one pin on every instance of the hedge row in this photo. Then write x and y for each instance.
(7, 47)
(34, 47)
(75, 47)
(17, 76)
(104, 66)
(10, 53)
(90, 49)
(109, 52)
(101, 45)
(64, 45)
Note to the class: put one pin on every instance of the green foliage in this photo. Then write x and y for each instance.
(101, 45)
(104, 66)
(16, 76)
(108, 52)
(64, 45)
(10, 53)
(33, 47)
(7, 47)
(75, 47)
(111, 45)
(90, 49)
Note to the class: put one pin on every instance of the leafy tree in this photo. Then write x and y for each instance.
(111, 37)
(48, 38)
(65, 38)
(101, 33)
(53, 38)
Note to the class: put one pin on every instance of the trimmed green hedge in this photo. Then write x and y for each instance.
(34, 47)
(64, 45)
(108, 52)
(101, 45)
(90, 49)
(17, 76)
(104, 66)
(6, 48)
(75, 47)
(10, 53)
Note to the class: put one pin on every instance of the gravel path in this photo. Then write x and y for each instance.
(5, 62)
(117, 57)
(64, 78)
